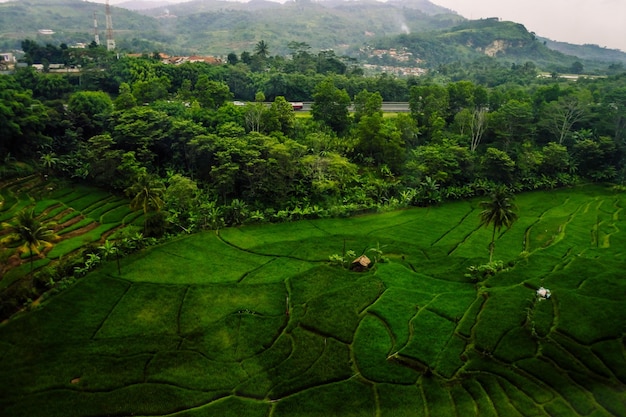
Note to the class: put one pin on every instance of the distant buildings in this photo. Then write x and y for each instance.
(178, 60)
(57, 68)
(7, 61)
(399, 62)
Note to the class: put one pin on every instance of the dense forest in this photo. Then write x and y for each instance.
(221, 145)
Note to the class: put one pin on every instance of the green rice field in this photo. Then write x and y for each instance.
(256, 321)
(78, 214)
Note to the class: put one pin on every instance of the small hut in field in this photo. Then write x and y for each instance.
(361, 264)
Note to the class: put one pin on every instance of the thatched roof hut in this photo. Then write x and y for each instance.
(360, 264)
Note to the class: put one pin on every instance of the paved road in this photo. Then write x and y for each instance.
(388, 107)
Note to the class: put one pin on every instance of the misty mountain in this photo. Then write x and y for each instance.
(433, 34)
(70, 20)
(331, 24)
(587, 52)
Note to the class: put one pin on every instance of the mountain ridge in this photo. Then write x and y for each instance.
(218, 27)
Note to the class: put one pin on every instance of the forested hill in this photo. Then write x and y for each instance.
(508, 41)
(341, 26)
(433, 34)
(71, 21)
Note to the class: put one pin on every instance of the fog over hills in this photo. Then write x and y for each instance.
(434, 34)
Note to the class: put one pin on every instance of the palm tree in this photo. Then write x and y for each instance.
(499, 211)
(147, 195)
(49, 161)
(30, 233)
(262, 49)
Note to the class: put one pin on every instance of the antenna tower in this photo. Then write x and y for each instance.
(110, 41)
(96, 36)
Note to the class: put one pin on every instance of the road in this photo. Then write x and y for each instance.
(388, 107)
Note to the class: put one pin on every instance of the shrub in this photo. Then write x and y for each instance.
(482, 272)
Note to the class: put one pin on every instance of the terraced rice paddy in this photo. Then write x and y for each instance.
(256, 322)
(79, 215)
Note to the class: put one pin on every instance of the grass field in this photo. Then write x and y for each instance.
(255, 321)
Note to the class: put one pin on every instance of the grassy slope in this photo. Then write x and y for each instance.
(254, 322)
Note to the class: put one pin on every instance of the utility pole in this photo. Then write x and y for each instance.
(110, 41)
(96, 36)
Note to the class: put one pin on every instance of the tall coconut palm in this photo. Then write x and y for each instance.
(262, 49)
(498, 211)
(147, 195)
(30, 233)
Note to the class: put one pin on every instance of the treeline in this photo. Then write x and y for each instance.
(172, 138)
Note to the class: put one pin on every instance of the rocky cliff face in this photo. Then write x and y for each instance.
(499, 46)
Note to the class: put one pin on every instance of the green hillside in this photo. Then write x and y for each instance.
(232, 26)
(470, 40)
(71, 20)
(588, 52)
(432, 33)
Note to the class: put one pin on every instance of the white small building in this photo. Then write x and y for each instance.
(7, 58)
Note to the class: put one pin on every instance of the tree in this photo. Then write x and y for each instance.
(499, 212)
(125, 100)
(447, 163)
(577, 68)
(262, 49)
(556, 159)
(613, 114)
(497, 165)
(22, 121)
(232, 58)
(559, 117)
(211, 94)
(146, 132)
(180, 200)
(367, 104)
(49, 161)
(327, 174)
(472, 122)
(595, 157)
(30, 233)
(327, 62)
(429, 107)
(246, 58)
(280, 117)
(152, 89)
(330, 106)
(461, 95)
(513, 121)
(380, 141)
(147, 195)
(254, 113)
(89, 110)
(478, 123)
